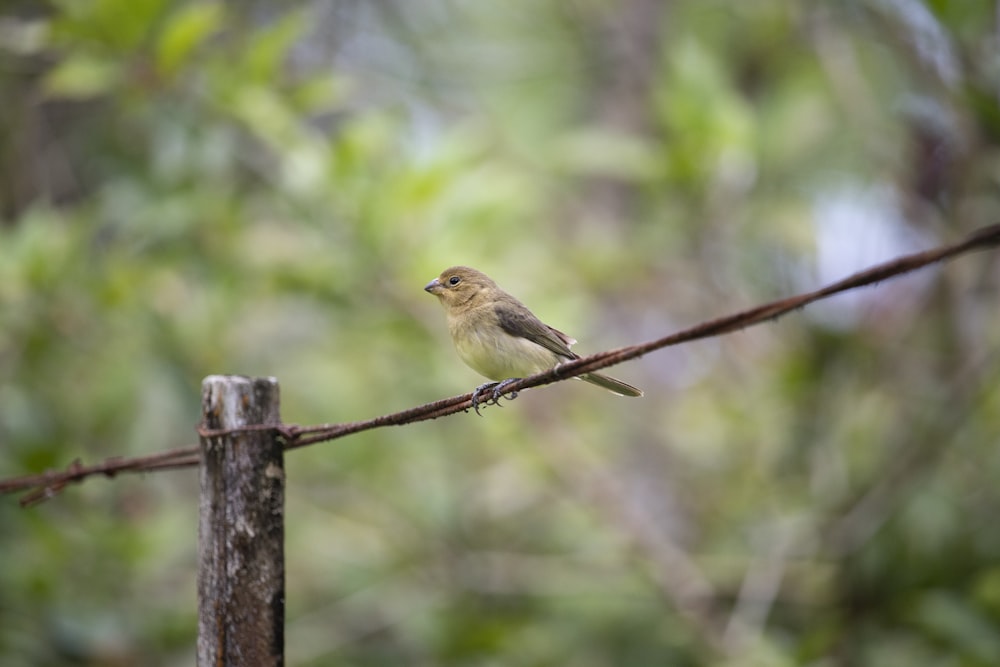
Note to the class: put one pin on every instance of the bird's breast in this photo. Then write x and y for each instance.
(493, 353)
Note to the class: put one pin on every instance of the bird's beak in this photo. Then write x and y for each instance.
(433, 286)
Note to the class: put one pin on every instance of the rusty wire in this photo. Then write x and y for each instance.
(43, 486)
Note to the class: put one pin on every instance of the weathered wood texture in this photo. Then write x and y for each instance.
(241, 569)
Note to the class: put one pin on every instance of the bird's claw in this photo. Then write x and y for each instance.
(496, 390)
(477, 392)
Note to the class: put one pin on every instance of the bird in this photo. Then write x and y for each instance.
(499, 338)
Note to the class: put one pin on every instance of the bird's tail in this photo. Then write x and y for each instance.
(611, 384)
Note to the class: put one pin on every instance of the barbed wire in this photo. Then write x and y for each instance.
(45, 485)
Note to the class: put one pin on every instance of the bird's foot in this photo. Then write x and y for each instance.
(478, 391)
(496, 391)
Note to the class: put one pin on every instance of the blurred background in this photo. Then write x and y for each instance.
(196, 187)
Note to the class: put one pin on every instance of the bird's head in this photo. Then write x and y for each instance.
(459, 286)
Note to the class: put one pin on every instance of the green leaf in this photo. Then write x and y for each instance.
(267, 49)
(186, 31)
(119, 25)
(82, 76)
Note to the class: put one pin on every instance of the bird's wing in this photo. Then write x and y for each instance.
(518, 321)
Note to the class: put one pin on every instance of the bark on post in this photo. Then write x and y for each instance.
(241, 569)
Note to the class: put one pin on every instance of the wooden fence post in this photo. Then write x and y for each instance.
(241, 568)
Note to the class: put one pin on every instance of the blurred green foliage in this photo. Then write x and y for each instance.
(190, 188)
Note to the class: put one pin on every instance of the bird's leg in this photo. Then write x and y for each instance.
(478, 391)
(500, 386)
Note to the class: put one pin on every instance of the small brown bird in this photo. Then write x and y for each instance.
(498, 337)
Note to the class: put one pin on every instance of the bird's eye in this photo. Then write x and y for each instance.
(454, 280)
